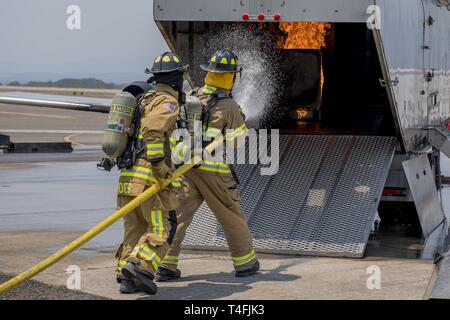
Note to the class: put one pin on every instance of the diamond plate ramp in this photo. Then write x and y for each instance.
(322, 201)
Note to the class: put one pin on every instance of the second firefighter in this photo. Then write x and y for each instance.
(214, 182)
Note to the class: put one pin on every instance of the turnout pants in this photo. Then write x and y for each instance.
(148, 232)
(221, 194)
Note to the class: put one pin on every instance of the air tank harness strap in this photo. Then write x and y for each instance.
(141, 150)
(215, 98)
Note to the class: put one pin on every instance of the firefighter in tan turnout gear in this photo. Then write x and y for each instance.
(214, 182)
(149, 229)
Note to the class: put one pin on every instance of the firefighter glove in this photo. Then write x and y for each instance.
(161, 170)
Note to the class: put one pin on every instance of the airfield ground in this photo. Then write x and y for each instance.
(47, 200)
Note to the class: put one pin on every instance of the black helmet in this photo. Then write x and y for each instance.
(223, 61)
(167, 62)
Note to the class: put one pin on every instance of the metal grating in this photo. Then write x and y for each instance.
(322, 201)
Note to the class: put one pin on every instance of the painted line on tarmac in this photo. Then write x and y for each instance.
(69, 139)
(34, 115)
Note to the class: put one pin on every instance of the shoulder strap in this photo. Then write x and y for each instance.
(215, 98)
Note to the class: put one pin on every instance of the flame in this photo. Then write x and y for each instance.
(304, 35)
(302, 113)
(322, 77)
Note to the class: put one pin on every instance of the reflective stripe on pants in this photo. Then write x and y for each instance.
(171, 260)
(243, 260)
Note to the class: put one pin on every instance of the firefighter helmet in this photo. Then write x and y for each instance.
(167, 62)
(223, 61)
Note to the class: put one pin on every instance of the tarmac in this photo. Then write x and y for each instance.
(35, 124)
(208, 275)
(34, 290)
(48, 200)
(96, 93)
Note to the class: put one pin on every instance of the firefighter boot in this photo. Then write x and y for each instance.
(128, 286)
(163, 275)
(146, 281)
(249, 272)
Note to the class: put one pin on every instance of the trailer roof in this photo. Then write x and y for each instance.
(233, 10)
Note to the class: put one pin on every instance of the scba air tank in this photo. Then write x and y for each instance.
(194, 110)
(118, 126)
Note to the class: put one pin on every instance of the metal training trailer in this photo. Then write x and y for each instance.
(363, 116)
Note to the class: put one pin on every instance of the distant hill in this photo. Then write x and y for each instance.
(89, 83)
(113, 77)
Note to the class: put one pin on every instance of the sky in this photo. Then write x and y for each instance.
(115, 41)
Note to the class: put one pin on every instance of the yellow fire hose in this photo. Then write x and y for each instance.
(119, 214)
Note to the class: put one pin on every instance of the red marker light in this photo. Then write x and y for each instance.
(261, 17)
(277, 17)
(245, 17)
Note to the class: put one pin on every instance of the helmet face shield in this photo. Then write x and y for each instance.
(223, 80)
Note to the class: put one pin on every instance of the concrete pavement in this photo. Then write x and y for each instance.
(38, 124)
(48, 200)
(208, 275)
(35, 290)
(47, 205)
(97, 93)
